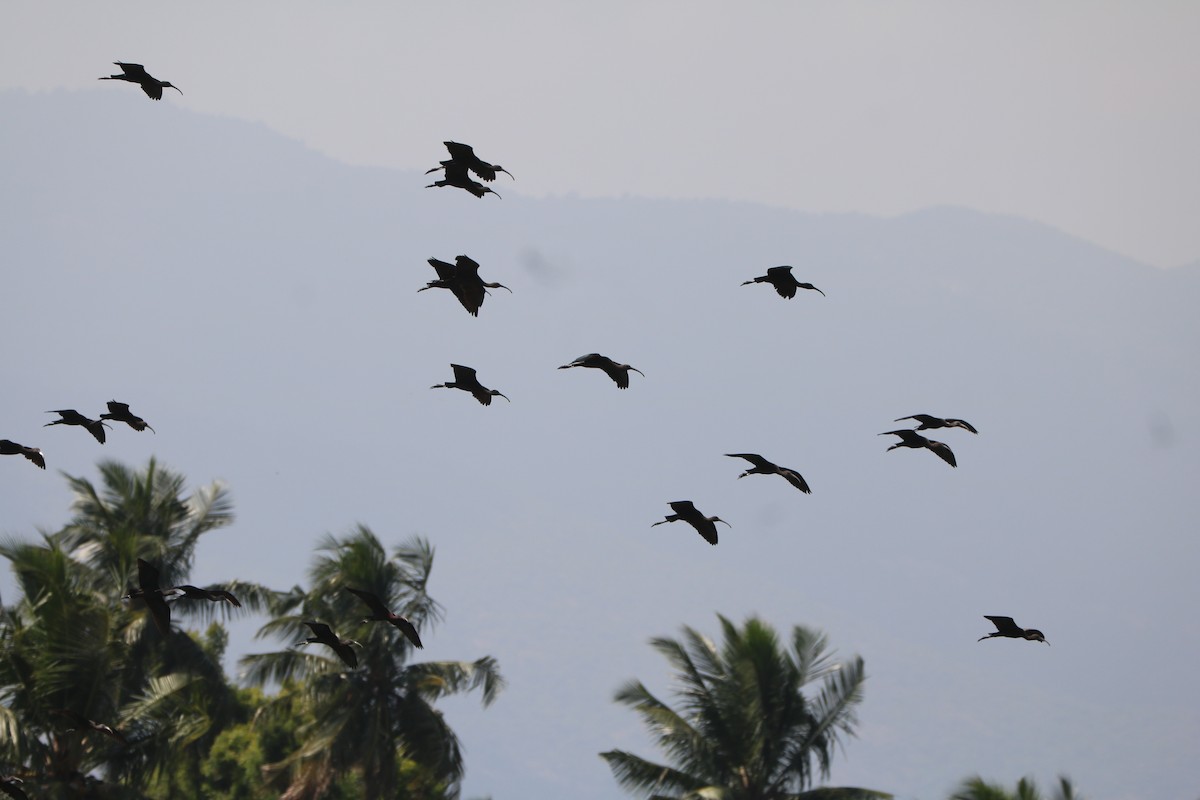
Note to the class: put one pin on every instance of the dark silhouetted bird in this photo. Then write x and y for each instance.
(783, 281)
(380, 613)
(323, 634)
(136, 73)
(464, 378)
(764, 467)
(705, 526)
(81, 722)
(149, 592)
(11, 786)
(456, 176)
(462, 278)
(119, 412)
(1005, 627)
(464, 155)
(72, 417)
(618, 372)
(913, 439)
(196, 593)
(929, 421)
(34, 454)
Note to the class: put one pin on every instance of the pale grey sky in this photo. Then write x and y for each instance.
(1082, 115)
(279, 289)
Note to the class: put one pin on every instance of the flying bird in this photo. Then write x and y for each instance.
(928, 421)
(34, 454)
(764, 467)
(149, 592)
(462, 278)
(82, 722)
(196, 593)
(136, 73)
(618, 372)
(1005, 627)
(72, 417)
(119, 412)
(464, 378)
(456, 176)
(913, 439)
(783, 281)
(381, 613)
(705, 526)
(323, 634)
(464, 155)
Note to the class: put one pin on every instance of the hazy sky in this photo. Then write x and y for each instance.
(1082, 115)
(290, 354)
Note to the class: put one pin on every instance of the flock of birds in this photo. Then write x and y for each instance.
(462, 279)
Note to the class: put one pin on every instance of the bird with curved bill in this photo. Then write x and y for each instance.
(464, 155)
(764, 467)
(34, 454)
(464, 378)
(119, 412)
(136, 73)
(685, 511)
(784, 282)
(618, 372)
(323, 634)
(457, 177)
(915, 440)
(381, 613)
(928, 421)
(1007, 629)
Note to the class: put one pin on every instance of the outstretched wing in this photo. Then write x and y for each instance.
(753, 458)
(683, 507)
(1005, 625)
(135, 71)
(463, 375)
(376, 605)
(147, 576)
(795, 479)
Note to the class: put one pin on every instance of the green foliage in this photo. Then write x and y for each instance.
(743, 729)
(977, 788)
(375, 720)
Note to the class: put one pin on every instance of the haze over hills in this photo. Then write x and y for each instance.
(257, 303)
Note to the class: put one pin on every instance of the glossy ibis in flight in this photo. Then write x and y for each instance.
(783, 281)
(119, 412)
(464, 378)
(618, 372)
(381, 613)
(323, 634)
(1005, 627)
(196, 593)
(148, 590)
(928, 421)
(913, 439)
(82, 722)
(34, 454)
(462, 278)
(72, 417)
(136, 73)
(456, 176)
(764, 467)
(705, 526)
(464, 155)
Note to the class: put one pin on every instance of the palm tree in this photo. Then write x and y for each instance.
(372, 719)
(977, 788)
(70, 644)
(744, 729)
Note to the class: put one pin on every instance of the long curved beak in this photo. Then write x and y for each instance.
(504, 396)
(638, 371)
(718, 519)
(506, 172)
(176, 88)
(501, 286)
